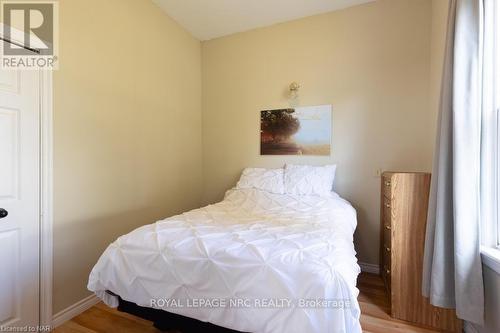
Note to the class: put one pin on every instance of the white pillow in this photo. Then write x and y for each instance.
(270, 180)
(309, 180)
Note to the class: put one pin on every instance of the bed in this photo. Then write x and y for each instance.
(255, 262)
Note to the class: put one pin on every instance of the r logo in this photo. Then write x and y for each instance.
(32, 25)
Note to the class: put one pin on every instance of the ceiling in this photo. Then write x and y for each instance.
(208, 19)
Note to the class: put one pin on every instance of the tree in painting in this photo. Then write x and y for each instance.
(279, 125)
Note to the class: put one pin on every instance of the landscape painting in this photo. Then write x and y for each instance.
(296, 131)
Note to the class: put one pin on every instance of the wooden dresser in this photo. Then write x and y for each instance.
(404, 200)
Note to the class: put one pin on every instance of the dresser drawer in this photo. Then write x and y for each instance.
(387, 187)
(386, 250)
(386, 276)
(387, 239)
(387, 258)
(387, 207)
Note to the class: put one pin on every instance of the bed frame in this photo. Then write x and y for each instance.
(166, 321)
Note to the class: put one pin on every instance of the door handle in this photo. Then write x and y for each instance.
(3, 213)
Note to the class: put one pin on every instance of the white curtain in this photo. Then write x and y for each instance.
(461, 181)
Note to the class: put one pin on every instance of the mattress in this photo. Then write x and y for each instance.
(254, 262)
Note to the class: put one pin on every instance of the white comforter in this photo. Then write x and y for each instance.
(255, 262)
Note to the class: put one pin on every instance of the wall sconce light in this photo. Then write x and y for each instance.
(294, 90)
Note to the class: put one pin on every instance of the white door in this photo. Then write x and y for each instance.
(19, 198)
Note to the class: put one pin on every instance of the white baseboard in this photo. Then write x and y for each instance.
(369, 268)
(74, 310)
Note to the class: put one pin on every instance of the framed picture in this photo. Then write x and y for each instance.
(296, 131)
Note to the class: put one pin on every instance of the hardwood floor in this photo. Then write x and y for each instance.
(372, 299)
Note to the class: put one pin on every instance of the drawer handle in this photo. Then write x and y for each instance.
(388, 227)
(388, 205)
(388, 271)
(388, 249)
(388, 183)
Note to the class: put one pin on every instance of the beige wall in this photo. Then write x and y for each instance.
(439, 22)
(371, 62)
(127, 130)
